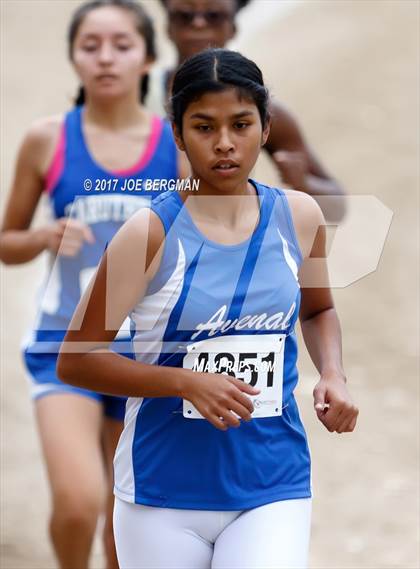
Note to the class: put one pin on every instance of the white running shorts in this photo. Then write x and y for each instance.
(273, 536)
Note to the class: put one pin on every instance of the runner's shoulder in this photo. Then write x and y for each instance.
(304, 209)
(143, 229)
(144, 226)
(41, 139)
(306, 214)
(302, 204)
(45, 130)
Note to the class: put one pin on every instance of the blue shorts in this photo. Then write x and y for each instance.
(44, 381)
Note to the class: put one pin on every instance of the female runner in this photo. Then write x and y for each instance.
(194, 25)
(213, 468)
(88, 162)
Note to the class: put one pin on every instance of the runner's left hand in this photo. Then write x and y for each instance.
(334, 406)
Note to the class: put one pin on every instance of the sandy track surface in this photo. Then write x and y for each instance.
(349, 70)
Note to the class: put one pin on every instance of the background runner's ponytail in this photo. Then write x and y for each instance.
(215, 70)
(144, 26)
(80, 97)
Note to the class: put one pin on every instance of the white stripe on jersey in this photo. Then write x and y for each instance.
(151, 317)
(289, 259)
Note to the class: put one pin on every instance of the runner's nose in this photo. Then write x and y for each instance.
(224, 142)
(105, 54)
(199, 21)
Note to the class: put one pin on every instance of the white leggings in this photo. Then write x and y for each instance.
(274, 536)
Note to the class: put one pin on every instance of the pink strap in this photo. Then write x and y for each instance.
(57, 164)
(156, 129)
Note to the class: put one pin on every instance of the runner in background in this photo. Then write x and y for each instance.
(89, 163)
(194, 25)
(213, 467)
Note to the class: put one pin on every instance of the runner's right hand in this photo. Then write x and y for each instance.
(217, 397)
(66, 236)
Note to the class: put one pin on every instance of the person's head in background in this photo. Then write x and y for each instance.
(194, 25)
(111, 44)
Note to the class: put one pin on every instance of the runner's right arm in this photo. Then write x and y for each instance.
(19, 243)
(124, 273)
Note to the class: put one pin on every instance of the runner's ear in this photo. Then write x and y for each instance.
(265, 133)
(146, 66)
(178, 138)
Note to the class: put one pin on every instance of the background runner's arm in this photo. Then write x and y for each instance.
(299, 167)
(18, 242)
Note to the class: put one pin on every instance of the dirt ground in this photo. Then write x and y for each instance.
(350, 72)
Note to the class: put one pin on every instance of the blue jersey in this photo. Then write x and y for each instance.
(224, 309)
(80, 188)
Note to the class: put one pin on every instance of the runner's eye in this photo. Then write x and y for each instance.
(241, 125)
(185, 18)
(203, 127)
(90, 47)
(215, 18)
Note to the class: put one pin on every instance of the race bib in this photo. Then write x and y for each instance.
(254, 359)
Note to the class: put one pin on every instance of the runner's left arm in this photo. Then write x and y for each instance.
(319, 321)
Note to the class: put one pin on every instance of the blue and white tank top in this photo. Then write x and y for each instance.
(80, 188)
(226, 309)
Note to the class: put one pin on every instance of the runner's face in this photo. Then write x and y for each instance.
(222, 137)
(109, 54)
(194, 25)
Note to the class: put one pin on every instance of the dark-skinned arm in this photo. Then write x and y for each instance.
(298, 165)
(319, 320)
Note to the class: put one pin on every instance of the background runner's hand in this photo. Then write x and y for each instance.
(293, 167)
(334, 406)
(66, 236)
(217, 397)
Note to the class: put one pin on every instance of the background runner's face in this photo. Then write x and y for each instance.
(194, 25)
(222, 136)
(109, 54)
